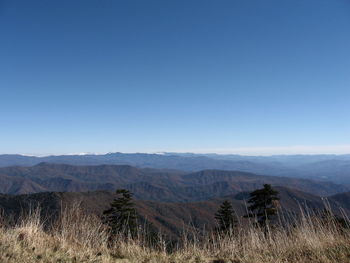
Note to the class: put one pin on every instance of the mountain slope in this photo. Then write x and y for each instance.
(334, 168)
(170, 218)
(148, 184)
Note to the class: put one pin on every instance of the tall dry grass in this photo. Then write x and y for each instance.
(77, 237)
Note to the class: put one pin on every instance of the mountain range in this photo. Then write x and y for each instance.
(149, 184)
(335, 168)
(171, 199)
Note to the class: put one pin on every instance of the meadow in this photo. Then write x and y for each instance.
(79, 237)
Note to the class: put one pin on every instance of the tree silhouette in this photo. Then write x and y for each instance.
(226, 217)
(122, 216)
(263, 204)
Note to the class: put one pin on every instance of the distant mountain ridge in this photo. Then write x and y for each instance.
(335, 168)
(148, 184)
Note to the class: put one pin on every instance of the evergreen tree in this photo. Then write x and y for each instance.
(226, 217)
(122, 216)
(263, 204)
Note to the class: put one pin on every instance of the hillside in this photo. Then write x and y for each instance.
(148, 184)
(170, 218)
(78, 237)
(333, 168)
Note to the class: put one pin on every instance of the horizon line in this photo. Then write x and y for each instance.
(240, 151)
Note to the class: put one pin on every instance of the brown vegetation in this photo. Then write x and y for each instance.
(77, 237)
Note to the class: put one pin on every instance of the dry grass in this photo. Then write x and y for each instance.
(83, 238)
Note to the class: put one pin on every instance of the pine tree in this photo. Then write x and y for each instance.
(122, 216)
(264, 203)
(226, 217)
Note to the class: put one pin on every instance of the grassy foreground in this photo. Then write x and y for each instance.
(82, 238)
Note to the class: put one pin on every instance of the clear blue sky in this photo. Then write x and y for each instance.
(124, 75)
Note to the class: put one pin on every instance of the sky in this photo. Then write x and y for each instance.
(227, 76)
